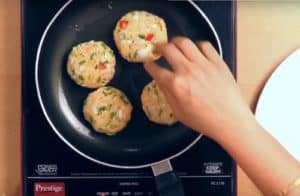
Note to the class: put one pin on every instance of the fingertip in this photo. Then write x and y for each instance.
(208, 47)
(204, 43)
(179, 38)
(210, 52)
(146, 63)
(147, 66)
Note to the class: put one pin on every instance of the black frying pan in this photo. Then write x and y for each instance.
(141, 143)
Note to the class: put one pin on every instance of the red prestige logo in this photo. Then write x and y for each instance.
(49, 189)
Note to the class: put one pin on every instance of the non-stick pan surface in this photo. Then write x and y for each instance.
(141, 143)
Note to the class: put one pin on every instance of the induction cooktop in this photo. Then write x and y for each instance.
(50, 167)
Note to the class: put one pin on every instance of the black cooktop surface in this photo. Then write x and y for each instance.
(49, 164)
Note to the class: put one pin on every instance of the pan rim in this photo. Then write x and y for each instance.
(56, 130)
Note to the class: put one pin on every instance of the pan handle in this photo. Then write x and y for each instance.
(167, 182)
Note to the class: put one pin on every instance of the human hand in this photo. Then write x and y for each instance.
(201, 89)
(203, 95)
